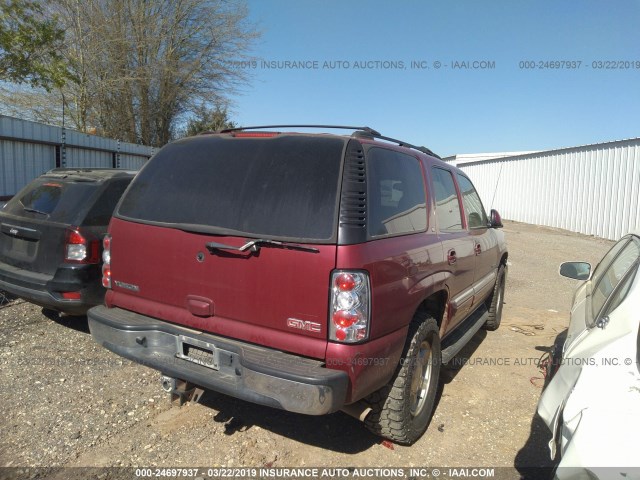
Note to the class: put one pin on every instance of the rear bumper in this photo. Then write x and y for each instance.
(245, 371)
(44, 290)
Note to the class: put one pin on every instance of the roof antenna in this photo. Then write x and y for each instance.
(496, 189)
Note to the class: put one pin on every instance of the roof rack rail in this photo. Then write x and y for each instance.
(340, 127)
(366, 132)
(401, 143)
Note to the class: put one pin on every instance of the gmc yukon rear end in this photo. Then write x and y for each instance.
(303, 272)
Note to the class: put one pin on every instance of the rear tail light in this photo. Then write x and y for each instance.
(80, 247)
(71, 295)
(106, 259)
(349, 313)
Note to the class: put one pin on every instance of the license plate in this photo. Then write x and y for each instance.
(21, 249)
(197, 351)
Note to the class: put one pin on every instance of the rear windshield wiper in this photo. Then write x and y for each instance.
(254, 246)
(34, 210)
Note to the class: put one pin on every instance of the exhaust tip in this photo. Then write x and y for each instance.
(358, 410)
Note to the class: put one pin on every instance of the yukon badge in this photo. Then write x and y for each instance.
(128, 286)
(303, 325)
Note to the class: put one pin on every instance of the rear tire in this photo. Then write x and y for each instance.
(402, 409)
(496, 301)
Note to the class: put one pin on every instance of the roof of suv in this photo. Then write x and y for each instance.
(91, 174)
(359, 132)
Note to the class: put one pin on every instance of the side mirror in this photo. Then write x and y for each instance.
(576, 270)
(495, 221)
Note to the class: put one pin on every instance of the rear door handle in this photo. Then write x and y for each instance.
(452, 257)
(478, 249)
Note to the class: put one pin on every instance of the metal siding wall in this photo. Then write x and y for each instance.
(26, 130)
(592, 190)
(79, 139)
(21, 162)
(81, 158)
(131, 162)
(28, 149)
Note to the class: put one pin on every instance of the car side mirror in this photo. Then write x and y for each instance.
(576, 270)
(495, 221)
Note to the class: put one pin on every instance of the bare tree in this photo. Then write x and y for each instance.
(35, 104)
(143, 67)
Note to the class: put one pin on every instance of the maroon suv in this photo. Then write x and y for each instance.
(308, 272)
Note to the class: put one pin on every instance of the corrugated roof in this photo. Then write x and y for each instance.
(469, 157)
(478, 157)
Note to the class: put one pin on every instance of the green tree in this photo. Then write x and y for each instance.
(30, 46)
(208, 119)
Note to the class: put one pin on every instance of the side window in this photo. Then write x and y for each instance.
(621, 293)
(396, 193)
(476, 216)
(613, 275)
(603, 265)
(447, 204)
(102, 209)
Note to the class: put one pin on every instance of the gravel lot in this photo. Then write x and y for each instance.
(68, 402)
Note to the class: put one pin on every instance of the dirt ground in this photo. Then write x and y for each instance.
(68, 402)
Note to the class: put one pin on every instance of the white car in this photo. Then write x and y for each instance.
(592, 403)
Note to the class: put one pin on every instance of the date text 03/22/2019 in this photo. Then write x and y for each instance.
(579, 65)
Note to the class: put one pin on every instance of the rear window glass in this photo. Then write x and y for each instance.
(43, 199)
(50, 199)
(282, 187)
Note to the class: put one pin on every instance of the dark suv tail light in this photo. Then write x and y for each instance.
(349, 309)
(80, 247)
(106, 261)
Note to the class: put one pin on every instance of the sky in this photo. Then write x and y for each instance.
(472, 87)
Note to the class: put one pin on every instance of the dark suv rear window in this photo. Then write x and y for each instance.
(43, 199)
(285, 187)
(51, 199)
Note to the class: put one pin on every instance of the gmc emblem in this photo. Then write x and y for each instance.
(304, 325)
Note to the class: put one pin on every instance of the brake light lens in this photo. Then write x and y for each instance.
(349, 313)
(106, 259)
(80, 247)
(71, 295)
(345, 282)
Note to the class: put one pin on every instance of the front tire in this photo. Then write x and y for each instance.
(402, 409)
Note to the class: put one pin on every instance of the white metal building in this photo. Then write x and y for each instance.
(590, 189)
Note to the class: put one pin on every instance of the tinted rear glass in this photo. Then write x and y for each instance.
(282, 187)
(44, 199)
(51, 199)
